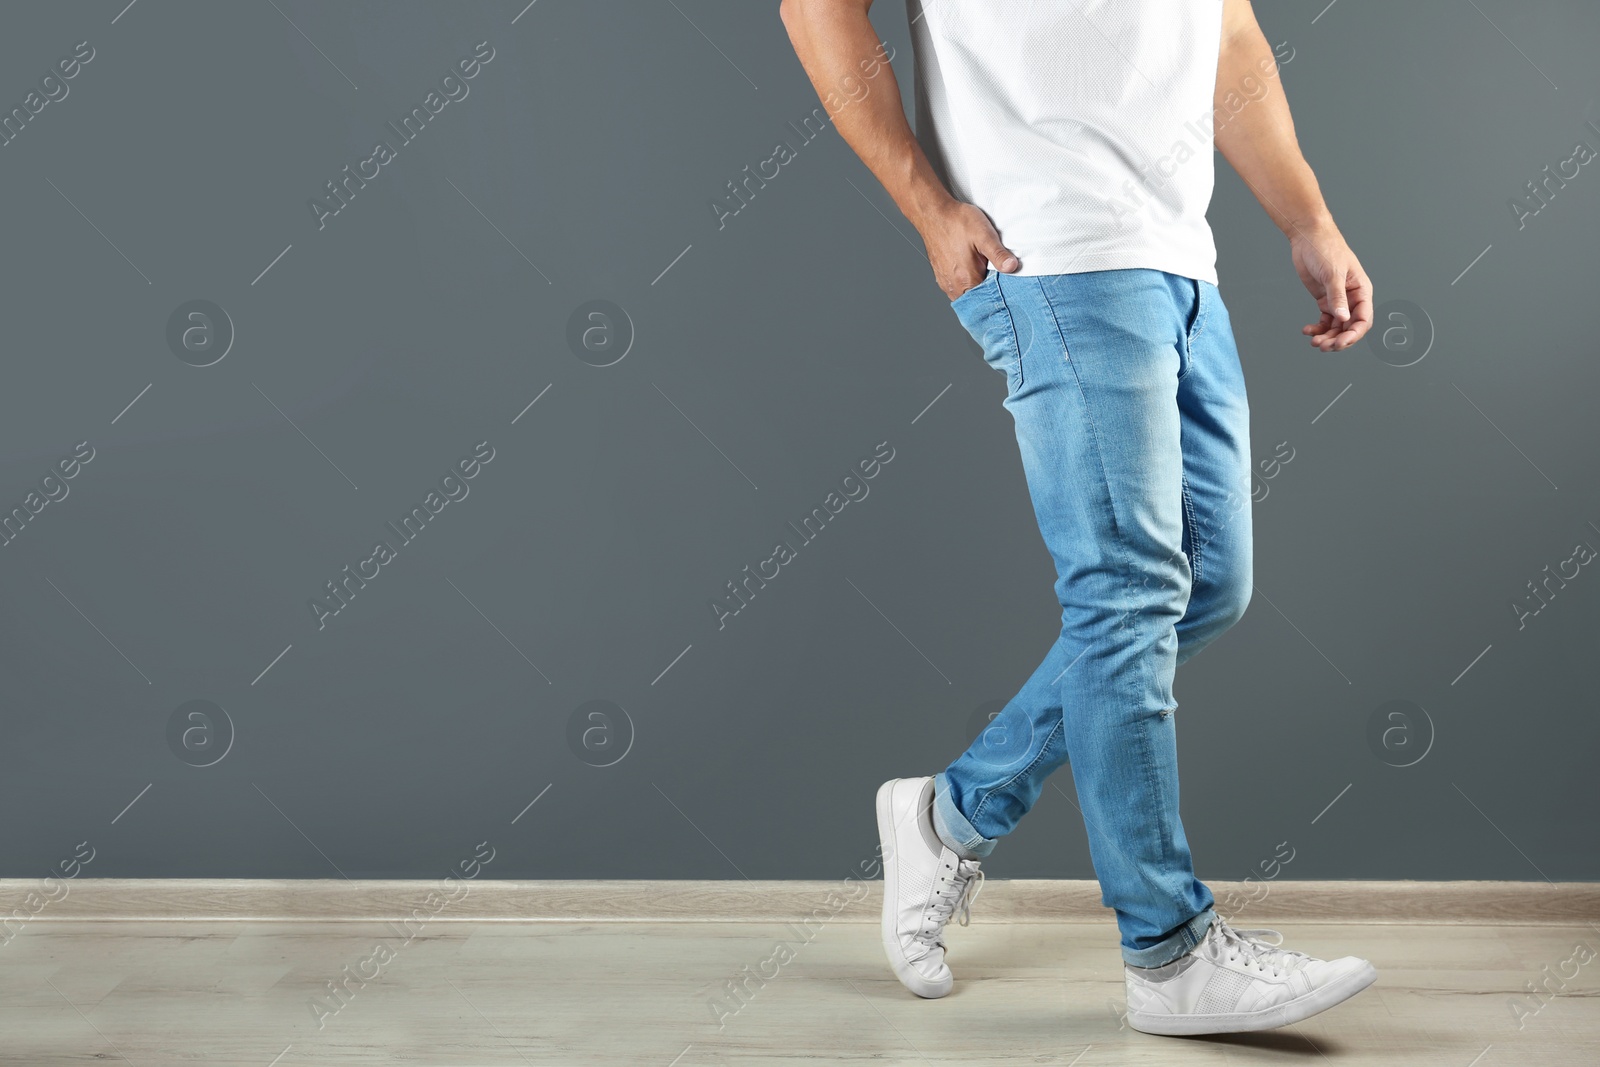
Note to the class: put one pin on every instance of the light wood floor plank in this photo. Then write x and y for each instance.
(227, 993)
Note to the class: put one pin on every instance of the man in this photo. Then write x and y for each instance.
(1059, 176)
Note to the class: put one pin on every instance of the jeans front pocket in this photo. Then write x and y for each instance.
(983, 311)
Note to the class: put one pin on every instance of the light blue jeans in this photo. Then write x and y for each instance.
(1131, 417)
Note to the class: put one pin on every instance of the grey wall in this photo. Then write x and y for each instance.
(776, 352)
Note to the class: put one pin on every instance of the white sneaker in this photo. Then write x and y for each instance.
(1234, 981)
(924, 884)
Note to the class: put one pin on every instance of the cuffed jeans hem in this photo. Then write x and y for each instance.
(953, 829)
(1180, 942)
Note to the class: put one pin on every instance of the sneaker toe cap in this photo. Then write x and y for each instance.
(1346, 970)
(928, 976)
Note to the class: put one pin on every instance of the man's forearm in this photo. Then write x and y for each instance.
(1256, 132)
(836, 45)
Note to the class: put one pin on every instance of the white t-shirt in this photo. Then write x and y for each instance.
(1083, 128)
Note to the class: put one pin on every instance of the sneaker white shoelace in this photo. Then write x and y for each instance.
(1251, 947)
(953, 896)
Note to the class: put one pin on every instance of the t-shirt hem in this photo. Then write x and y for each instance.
(1068, 262)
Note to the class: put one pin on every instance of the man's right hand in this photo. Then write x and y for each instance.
(961, 243)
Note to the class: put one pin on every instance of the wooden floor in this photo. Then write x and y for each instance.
(509, 993)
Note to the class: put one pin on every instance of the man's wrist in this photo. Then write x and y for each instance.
(1308, 225)
(926, 202)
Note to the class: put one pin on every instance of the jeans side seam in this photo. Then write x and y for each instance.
(1016, 349)
(1155, 785)
(1194, 530)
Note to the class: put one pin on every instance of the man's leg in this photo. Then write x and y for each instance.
(1095, 364)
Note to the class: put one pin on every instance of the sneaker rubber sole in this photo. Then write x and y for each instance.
(1292, 1011)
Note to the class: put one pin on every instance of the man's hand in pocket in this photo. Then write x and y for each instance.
(961, 243)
